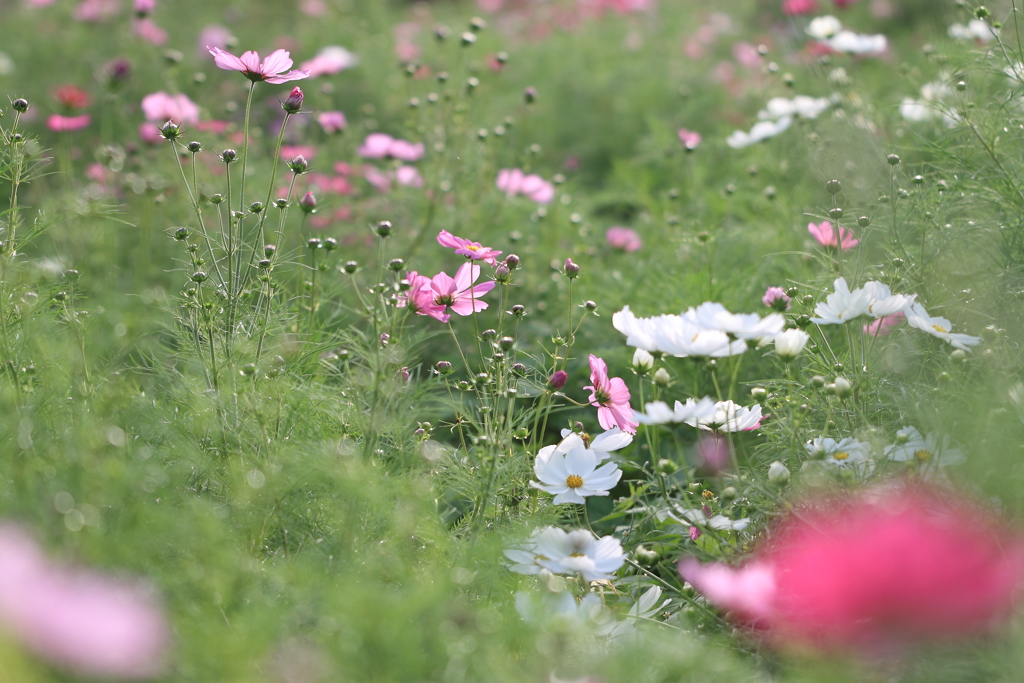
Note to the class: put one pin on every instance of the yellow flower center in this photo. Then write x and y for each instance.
(923, 454)
(939, 328)
(577, 555)
(841, 455)
(473, 247)
(574, 481)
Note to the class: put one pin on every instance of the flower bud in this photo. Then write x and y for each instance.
(351, 267)
(308, 203)
(645, 556)
(268, 250)
(298, 165)
(195, 147)
(790, 343)
(519, 310)
(530, 95)
(443, 367)
(864, 221)
(557, 380)
(729, 493)
(488, 335)
(506, 343)
(264, 263)
(330, 244)
(759, 394)
(512, 261)
(571, 269)
(817, 381)
(170, 131)
(519, 370)
(777, 299)
(228, 156)
(893, 159)
(383, 229)
(666, 466)
(778, 474)
(468, 39)
(662, 378)
(199, 276)
(314, 243)
(256, 207)
(181, 234)
(396, 264)
(958, 356)
(843, 387)
(20, 105)
(281, 203)
(293, 103)
(590, 305)
(833, 186)
(835, 214)
(502, 273)
(643, 362)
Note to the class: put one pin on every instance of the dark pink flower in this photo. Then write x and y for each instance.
(558, 379)
(72, 97)
(274, 69)
(611, 397)
(826, 236)
(888, 566)
(458, 293)
(420, 297)
(775, 297)
(62, 124)
(80, 621)
(884, 325)
(623, 238)
(796, 8)
(468, 248)
(690, 139)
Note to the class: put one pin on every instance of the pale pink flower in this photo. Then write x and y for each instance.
(150, 133)
(96, 10)
(332, 122)
(80, 621)
(63, 124)
(39, 3)
(381, 146)
(468, 248)
(690, 139)
(796, 8)
(143, 7)
(886, 567)
(623, 238)
(313, 8)
(747, 55)
(489, 6)
(403, 150)
(458, 293)
(274, 69)
(147, 29)
(884, 325)
(159, 107)
(420, 297)
(213, 35)
(408, 176)
(331, 60)
(289, 152)
(513, 182)
(611, 397)
(826, 236)
(775, 297)
(381, 181)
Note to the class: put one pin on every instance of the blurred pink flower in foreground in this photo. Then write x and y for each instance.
(96, 10)
(886, 567)
(213, 35)
(332, 122)
(381, 146)
(796, 8)
(882, 326)
(611, 398)
(514, 181)
(274, 69)
(623, 238)
(80, 621)
(468, 248)
(63, 124)
(826, 236)
(408, 176)
(159, 107)
(690, 139)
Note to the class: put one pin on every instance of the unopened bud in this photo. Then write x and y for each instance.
(512, 261)
(293, 103)
(256, 207)
(643, 361)
(843, 387)
(666, 466)
(571, 269)
(281, 203)
(530, 95)
(468, 39)
(835, 214)
(181, 234)
(170, 131)
(502, 273)
(195, 147)
(557, 379)
(645, 556)
(759, 394)
(298, 165)
(308, 203)
(893, 159)
(833, 186)
(396, 264)
(817, 381)
(519, 370)
(729, 493)
(443, 367)
(268, 250)
(20, 105)
(383, 229)
(778, 474)
(314, 243)
(351, 267)
(662, 378)
(590, 305)
(864, 221)
(228, 156)
(519, 310)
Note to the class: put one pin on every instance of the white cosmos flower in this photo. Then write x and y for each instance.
(675, 336)
(842, 305)
(571, 477)
(762, 130)
(845, 453)
(524, 556)
(579, 552)
(803, 106)
(647, 606)
(822, 28)
(883, 301)
(544, 608)
(857, 43)
(790, 343)
(976, 29)
(658, 412)
(604, 444)
(1015, 73)
(934, 450)
(715, 316)
(639, 331)
(729, 417)
(700, 518)
(643, 361)
(940, 328)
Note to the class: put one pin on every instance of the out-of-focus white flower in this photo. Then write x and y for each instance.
(524, 557)
(778, 473)
(762, 130)
(729, 417)
(646, 607)
(572, 477)
(917, 316)
(6, 64)
(750, 326)
(823, 28)
(658, 412)
(579, 552)
(845, 453)
(790, 343)
(883, 301)
(842, 305)
(803, 106)
(547, 608)
(976, 29)
(700, 518)
(858, 43)
(1015, 73)
(934, 450)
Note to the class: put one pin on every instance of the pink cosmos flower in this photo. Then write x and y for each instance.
(382, 146)
(623, 238)
(80, 621)
(143, 7)
(408, 176)
(884, 325)
(150, 133)
(513, 182)
(420, 297)
(611, 397)
(159, 107)
(62, 124)
(212, 35)
(331, 60)
(690, 139)
(147, 29)
(843, 3)
(747, 55)
(332, 122)
(889, 566)
(381, 181)
(775, 297)
(313, 8)
(40, 3)
(274, 69)
(795, 8)
(471, 250)
(458, 293)
(826, 236)
(96, 10)
(289, 152)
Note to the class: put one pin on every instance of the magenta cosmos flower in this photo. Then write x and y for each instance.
(623, 238)
(64, 124)
(825, 235)
(78, 620)
(891, 566)
(776, 298)
(332, 122)
(611, 397)
(274, 69)
(458, 293)
(471, 250)
(513, 181)
(382, 146)
(420, 297)
(795, 8)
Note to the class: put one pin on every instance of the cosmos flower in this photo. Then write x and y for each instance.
(762, 130)
(64, 124)
(658, 412)
(458, 293)
(514, 182)
(572, 477)
(332, 122)
(579, 552)
(776, 298)
(274, 69)
(790, 343)
(847, 453)
(883, 325)
(602, 446)
(464, 247)
(842, 305)
(611, 398)
(690, 139)
(750, 326)
(728, 417)
(940, 328)
(623, 238)
(331, 60)
(934, 450)
(160, 107)
(825, 235)
(420, 297)
(383, 146)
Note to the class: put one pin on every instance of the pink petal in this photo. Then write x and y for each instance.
(446, 239)
(443, 284)
(466, 276)
(251, 61)
(290, 76)
(226, 60)
(749, 590)
(276, 62)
